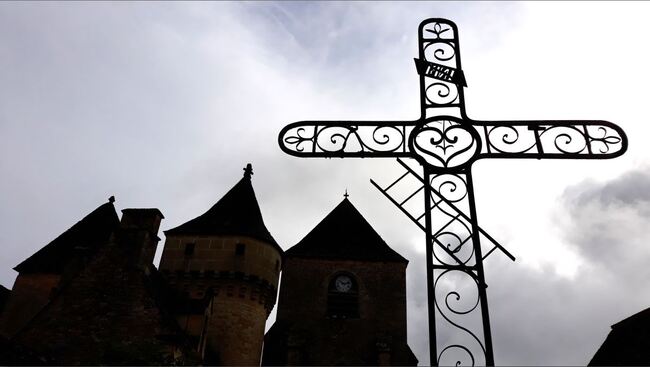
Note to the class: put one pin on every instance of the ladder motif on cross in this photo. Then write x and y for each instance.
(446, 143)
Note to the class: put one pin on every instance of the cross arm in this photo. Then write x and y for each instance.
(587, 139)
(346, 138)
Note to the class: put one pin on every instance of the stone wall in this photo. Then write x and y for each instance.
(236, 326)
(108, 313)
(218, 253)
(304, 333)
(28, 296)
(382, 291)
(243, 285)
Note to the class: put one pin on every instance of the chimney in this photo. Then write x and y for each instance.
(139, 229)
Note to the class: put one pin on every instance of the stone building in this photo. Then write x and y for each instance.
(50, 267)
(228, 253)
(93, 296)
(343, 298)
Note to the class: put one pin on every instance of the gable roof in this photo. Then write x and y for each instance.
(627, 344)
(94, 229)
(236, 213)
(344, 234)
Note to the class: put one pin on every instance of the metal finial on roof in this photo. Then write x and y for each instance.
(248, 171)
(111, 199)
(346, 194)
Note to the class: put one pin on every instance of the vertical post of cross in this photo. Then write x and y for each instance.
(461, 231)
(480, 274)
(431, 294)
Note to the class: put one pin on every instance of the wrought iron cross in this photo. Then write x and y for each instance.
(446, 143)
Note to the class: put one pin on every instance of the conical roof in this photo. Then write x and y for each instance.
(237, 213)
(93, 230)
(344, 234)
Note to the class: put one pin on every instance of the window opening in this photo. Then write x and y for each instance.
(240, 249)
(343, 297)
(189, 248)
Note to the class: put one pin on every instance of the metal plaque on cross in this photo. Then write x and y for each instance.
(446, 142)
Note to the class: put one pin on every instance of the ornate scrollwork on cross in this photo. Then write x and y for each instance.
(342, 138)
(548, 139)
(446, 142)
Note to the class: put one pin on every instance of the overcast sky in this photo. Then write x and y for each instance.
(163, 104)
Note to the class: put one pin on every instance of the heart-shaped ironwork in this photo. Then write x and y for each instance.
(445, 142)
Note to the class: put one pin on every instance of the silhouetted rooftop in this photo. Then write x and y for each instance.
(628, 344)
(237, 213)
(94, 229)
(346, 235)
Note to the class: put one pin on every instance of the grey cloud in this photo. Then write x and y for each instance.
(631, 189)
(539, 317)
(607, 223)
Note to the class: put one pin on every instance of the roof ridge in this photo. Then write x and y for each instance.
(235, 213)
(632, 319)
(92, 229)
(345, 233)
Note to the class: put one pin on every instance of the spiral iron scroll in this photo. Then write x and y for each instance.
(455, 233)
(549, 139)
(453, 304)
(345, 139)
(438, 44)
(455, 278)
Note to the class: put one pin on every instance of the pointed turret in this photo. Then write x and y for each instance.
(236, 213)
(228, 255)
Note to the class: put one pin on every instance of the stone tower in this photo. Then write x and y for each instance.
(228, 264)
(343, 298)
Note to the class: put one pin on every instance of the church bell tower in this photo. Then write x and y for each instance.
(342, 300)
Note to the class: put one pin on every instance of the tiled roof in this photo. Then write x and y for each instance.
(344, 234)
(237, 213)
(93, 230)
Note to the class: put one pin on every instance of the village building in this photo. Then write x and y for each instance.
(93, 296)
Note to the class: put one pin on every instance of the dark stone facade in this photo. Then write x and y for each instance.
(92, 296)
(308, 331)
(110, 312)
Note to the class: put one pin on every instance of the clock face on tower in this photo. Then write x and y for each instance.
(343, 283)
